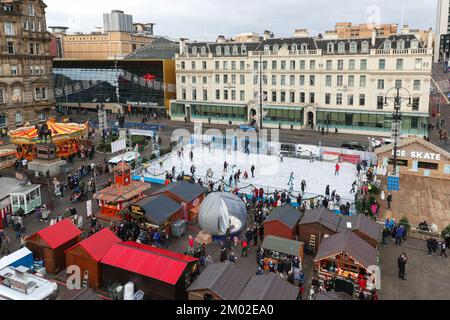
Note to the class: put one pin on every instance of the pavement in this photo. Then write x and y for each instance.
(426, 276)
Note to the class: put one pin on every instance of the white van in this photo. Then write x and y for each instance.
(133, 158)
(304, 150)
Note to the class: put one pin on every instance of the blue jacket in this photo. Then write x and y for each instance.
(399, 231)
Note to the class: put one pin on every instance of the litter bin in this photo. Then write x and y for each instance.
(178, 228)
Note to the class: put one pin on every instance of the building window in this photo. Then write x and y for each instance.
(400, 45)
(17, 95)
(266, 49)
(312, 65)
(327, 98)
(351, 81)
(362, 99)
(225, 94)
(302, 97)
(341, 47)
(194, 94)
(275, 48)
(235, 51)
(9, 29)
(353, 47)
(380, 102)
(303, 47)
(418, 64)
(203, 50)
(225, 65)
(233, 95)
(398, 83)
(183, 65)
(399, 64)
(31, 10)
(351, 64)
(340, 81)
(292, 65)
(274, 96)
(233, 65)
(363, 65)
(312, 80)
(339, 99)
(362, 81)
(330, 47)
(194, 80)
(218, 94)
(217, 78)
(302, 80)
(183, 94)
(292, 97)
(14, 71)
(218, 50)
(225, 79)
(19, 118)
(292, 80)
(387, 45)
(233, 79)
(204, 65)
(274, 65)
(274, 80)
(2, 95)
(329, 64)
(283, 96)
(242, 95)
(217, 65)
(415, 104)
(283, 65)
(40, 93)
(302, 64)
(328, 81)
(311, 97)
(194, 50)
(340, 64)
(255, 79)
(242, 79)
(243, 49)
(414, 44)
(380, 84)
(365, 47)
(205, 80)
(381, 64)
(242, 65)
(193, 65)
(42, 116)
(11, 48)
(283, 80)
(416, 85)
(350, 99)
(264, 79)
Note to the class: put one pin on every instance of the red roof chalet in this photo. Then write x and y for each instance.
(59, 233)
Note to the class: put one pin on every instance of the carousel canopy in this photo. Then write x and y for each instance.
(59, 132)
(220, 211)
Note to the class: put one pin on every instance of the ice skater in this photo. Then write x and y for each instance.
(303, 186)
(291, 182)
(225, 166)
(191, 155)
(337, 168)
(193, 170)
(209, 173)
(354, 184)
(281, 157)
(252, 169)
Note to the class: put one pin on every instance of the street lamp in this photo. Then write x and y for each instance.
(397, 116)
(260, 64)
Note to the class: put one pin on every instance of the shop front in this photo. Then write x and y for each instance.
(416, 156)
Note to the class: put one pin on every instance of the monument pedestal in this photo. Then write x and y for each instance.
(52, 166)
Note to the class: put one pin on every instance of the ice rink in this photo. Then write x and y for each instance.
(270, 172)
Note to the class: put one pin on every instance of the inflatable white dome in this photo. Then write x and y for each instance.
(222, 210)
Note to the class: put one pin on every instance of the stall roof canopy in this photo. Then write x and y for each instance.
(59, 233)
(8, 186)
(159, 209)
(286, 215)
(350, 243)
(268, 287)
(362, 224)
(322, 216)
(410, 140)
(224, 279)
(119, 192)
(282, 245)
(144, 261)
(162, 252)
(98, 244)
(184, 190)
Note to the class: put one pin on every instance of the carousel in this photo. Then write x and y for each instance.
(66, 137)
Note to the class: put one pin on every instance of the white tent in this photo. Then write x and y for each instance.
(220, 211)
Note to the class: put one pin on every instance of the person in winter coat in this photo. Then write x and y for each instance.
(443, 247)
(337, 168)
(401, 262)
(399, 235)
(244, 244)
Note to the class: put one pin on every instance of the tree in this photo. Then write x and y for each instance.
(446, 232)
(405, 223)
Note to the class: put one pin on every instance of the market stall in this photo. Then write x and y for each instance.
(159, 273)
(345, 256)
(7, 158)
(219, 281)
(366, 228)
(49, 244)
(268, 287)
(123, 193)
(88, 253)
(160, 212)
(66, 136)
(282, 222)
(189, 195)
(27, 198)
(280, 250)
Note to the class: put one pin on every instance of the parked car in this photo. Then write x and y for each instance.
(354, 146)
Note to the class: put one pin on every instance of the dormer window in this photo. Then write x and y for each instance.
(400, 45)
(235, 50)
(227, 50)
(294, 47)
(303, 47)
(284, 46)
(365, 47)
(353, 47)
(414, 44)
(275, 48)
(203, 50)
(341, 47)
(266, 49)
(194, 50)
(330, 47)
(219, 50)
(387, 45)
(243, 49)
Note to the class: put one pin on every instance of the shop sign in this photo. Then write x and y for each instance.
(418, 155)
(136, 210)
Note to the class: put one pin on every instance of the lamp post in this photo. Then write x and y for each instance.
(260, 65)
(397, 116)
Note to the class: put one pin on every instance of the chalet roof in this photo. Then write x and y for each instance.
(224, 279)
(362, 224)
(186, 191)
(122, 193)
(286, 215)
(282, 245)
(410, 140)
(59, 233)
(323, 216)
(159, 209)
(268, 286)
(348, 242)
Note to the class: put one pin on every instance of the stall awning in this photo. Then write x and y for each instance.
(281, 245)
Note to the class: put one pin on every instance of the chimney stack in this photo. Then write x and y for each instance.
(374, 37)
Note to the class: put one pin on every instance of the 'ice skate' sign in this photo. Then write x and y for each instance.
(418, 155)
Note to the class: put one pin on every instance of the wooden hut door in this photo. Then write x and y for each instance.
(49, 259)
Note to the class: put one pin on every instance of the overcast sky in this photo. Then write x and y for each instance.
(205, 19)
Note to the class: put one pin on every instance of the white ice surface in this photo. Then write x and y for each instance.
(270, 173)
